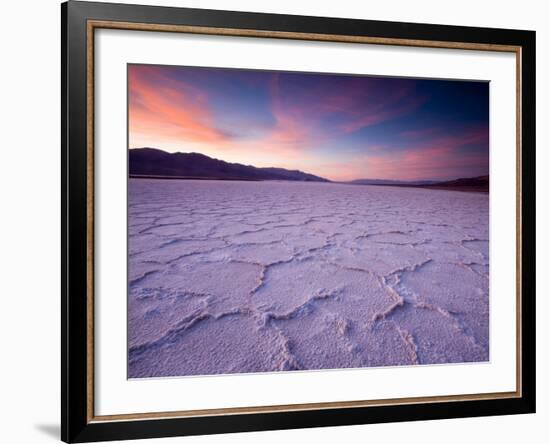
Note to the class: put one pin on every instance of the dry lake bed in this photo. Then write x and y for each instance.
(237, 277)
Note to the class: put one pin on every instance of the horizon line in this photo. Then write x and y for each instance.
(306, 172)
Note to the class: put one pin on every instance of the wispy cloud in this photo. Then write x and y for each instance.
(337, 126)
(436, 156)
(371, 108)
(168, 108)
(326, 110)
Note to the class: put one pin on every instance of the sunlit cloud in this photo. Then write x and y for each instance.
(166, 109)
(336, 126)
(440, 157)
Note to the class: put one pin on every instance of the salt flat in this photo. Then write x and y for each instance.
(235, 277)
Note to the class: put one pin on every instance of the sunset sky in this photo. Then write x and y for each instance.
(340, 127)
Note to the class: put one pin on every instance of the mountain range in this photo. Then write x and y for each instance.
(480, 183)
(391, 182)
(155, 163)
(152, 162)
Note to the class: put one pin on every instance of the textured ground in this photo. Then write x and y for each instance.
(233, 277)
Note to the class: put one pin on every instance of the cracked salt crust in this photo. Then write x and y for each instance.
(235, 277)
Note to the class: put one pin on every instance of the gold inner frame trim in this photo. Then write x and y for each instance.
(96, 24)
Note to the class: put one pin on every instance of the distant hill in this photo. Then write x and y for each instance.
(480, 183)
(390, 182)
(155, 163)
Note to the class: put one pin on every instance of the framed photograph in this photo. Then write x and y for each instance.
(276, 221)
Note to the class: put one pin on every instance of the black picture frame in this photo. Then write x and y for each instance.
(76, 423)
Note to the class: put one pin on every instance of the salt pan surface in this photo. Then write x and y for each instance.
(235, 277)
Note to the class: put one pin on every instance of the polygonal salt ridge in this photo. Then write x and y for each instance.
(300, 311)
(259, 254)
(451, 253)
(327, 340)
(162, 293)
(446, 285)
(211, 345)
(176, 248)
(480, 246)
(367, 256)
(462, 301)
(304, 336)
(312, 280)
(304, 245)
(141, 272)
(397, 237)
(230, 284)
(390, 345)
(260, 236)
(158, 311)
(366, 210)
(138, 243)
(406, 308)
(438, 337)
(229, 230)
(191, 229)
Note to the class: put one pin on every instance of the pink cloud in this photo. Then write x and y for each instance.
(293, 123)
(324, 112)
(312, 120)
(168, 109)
(441, 157)
(370, 108)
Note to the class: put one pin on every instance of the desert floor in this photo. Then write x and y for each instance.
(236, 277)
